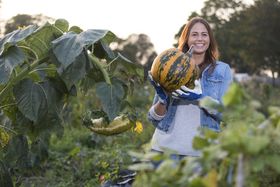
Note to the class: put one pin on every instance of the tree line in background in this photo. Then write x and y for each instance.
(248, 35)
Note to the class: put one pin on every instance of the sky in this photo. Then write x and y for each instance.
(160, 20)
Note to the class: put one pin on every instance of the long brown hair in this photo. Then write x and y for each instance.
(212, 53)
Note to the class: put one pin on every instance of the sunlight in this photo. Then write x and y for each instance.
(160, 21)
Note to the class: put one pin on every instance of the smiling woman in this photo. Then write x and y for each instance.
(178, 116)
(123, 17)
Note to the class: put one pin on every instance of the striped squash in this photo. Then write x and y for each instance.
(172, 69)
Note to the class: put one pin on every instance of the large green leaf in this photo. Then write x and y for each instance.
(76, 71)
(123, 67)
(21, 123)
(40, 41)
(111, 97)
(102, 50)
(62, 24)
(131, 73)
(68, 47)
(75, 29)
(55, 90)
(234, 95)
(50, 120)
(47, 100)
(31, 99)
(12, 38)
(8, 62)
(257, 143)
(92, 77)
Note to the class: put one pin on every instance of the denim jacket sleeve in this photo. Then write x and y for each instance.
(165, 123)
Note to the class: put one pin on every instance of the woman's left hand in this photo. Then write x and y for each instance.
(188, 94)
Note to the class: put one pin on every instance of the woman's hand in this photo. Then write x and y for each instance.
(188, 94)
(163, 96)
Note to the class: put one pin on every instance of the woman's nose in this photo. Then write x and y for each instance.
(199, 37)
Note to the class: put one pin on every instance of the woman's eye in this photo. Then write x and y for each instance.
(194, 34)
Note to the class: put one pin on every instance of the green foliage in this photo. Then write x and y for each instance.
(62, 24)
(41, 68)
(218, 12)
(111, 97)
(5, 178)
(245, 153)
(251, 45)
(82, 158)
(266, 94)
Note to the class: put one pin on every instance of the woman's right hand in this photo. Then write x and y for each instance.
(163, 96)
(186, 93)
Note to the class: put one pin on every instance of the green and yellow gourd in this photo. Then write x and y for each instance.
(172, 69)
(98, 122)
(119, 125)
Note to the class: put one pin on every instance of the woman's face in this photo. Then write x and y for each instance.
(199, 38)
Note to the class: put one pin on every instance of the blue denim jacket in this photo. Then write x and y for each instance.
(213, 84)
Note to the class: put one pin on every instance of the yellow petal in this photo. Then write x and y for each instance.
(139, 127)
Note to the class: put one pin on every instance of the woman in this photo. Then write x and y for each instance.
(177, 116)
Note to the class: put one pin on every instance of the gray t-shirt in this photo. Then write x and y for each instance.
(180, 136)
